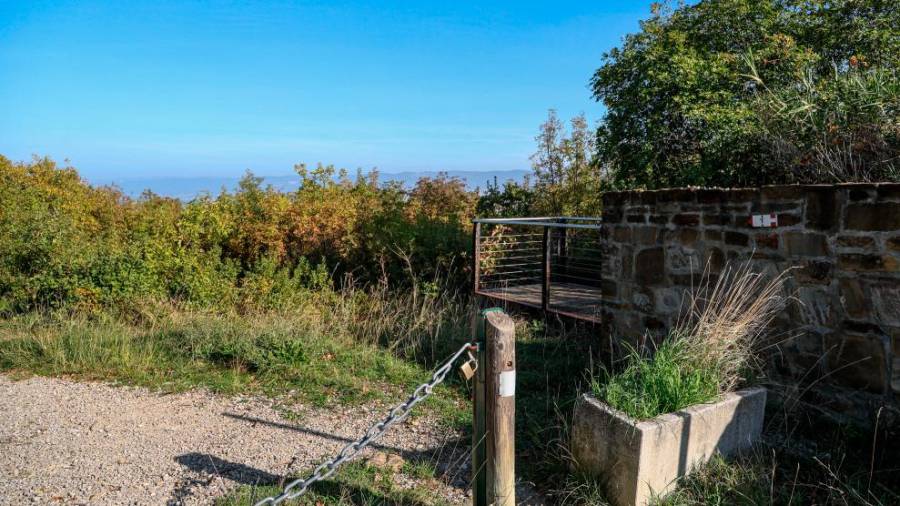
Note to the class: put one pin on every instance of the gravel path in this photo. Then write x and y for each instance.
(68, 442)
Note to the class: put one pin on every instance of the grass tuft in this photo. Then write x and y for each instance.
(710, 351)
(669, 381)
(349, 346)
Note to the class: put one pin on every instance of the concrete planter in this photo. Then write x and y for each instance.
(638, 460)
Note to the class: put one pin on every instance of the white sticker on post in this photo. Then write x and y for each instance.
(507, 383)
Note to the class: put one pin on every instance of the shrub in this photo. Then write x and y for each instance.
(710, 351)
(64, 243)
(681, 111)
(671, 380)
(842, 128)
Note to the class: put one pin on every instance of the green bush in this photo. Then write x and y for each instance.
(670, 380)
(64, 243)
(845, 127)
(682, 110)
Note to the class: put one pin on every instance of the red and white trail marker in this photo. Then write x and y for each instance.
(764, 220)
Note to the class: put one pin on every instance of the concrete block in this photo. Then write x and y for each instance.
(640, 460)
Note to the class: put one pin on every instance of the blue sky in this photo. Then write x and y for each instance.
(138, 89)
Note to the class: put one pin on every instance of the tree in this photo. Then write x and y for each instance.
(566, 181)
(514, 200)
(683, 94)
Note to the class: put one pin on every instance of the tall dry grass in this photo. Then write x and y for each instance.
(349, 345)
(725, 322)
(711, 350)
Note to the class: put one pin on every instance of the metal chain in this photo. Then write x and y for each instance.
(299, 487)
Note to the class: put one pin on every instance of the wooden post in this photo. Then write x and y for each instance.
(500, 407)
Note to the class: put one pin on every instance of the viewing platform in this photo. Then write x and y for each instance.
(548, 263)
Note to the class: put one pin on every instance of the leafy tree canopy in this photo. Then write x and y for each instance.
(702, 95)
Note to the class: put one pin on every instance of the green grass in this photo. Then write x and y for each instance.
(744, 481)
(770, 477)
(550, 370)
(670, 380)
(357, 483)
(278, 355)
(343, 358)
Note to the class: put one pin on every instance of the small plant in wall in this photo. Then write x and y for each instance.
(674, 406)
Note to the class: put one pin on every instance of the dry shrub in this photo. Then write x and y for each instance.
(726, 321)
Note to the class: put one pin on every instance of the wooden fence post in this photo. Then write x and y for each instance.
(497, 375)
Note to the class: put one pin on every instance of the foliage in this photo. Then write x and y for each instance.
(348, 346)
(64, 243)
(669, 381)
(681, 109)
(778, 477)
(842, 128)
(514, 200)
(708, 353)
(566, 182)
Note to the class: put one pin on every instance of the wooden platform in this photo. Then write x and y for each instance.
(568, 299)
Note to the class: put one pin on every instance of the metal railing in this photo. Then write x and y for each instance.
(548, 263)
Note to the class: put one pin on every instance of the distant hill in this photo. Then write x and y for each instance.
(187, 188)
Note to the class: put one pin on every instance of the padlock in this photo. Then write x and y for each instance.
(467, 370)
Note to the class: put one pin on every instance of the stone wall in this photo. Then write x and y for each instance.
(844, 242)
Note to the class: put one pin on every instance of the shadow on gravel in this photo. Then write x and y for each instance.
(211, 467)
(407, 455)
(214, 466)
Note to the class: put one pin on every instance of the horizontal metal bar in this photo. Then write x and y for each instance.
(507, 253)
(501, 273)
(536, 262)
(506, 236)
(512, 243)
(593, 318)
(502, 221)
(536, 218)
(504, 273)
(513, 285)
(535, 280)
(498, 241)
(522, 261)
(511, 257)
(506, 276)
(535, 222)
(493, 269)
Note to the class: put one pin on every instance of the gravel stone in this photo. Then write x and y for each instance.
(67, 442)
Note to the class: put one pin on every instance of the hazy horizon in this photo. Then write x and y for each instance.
(188, 187)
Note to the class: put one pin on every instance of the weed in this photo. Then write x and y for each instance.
(709, 352)
(669, 381)
(331, 347)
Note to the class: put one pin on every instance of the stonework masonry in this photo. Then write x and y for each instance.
(840, 349)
